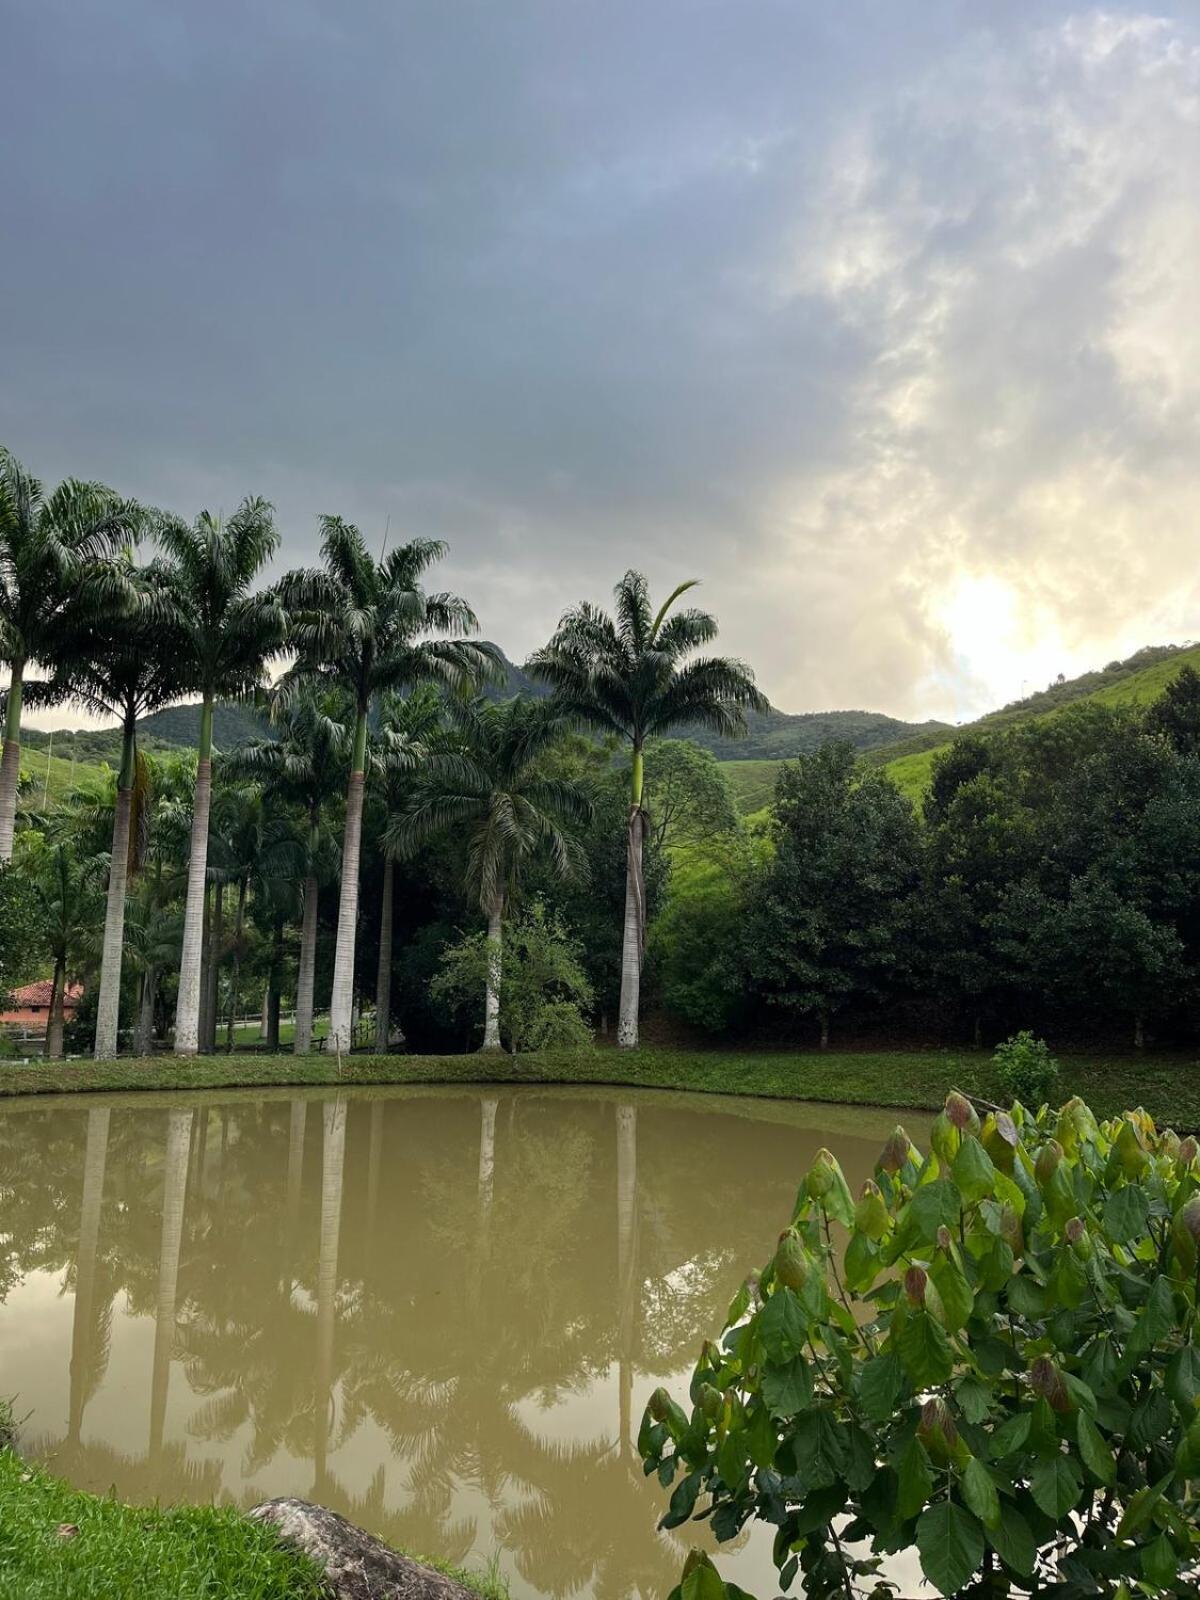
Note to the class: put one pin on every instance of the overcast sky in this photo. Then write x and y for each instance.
(882, 319)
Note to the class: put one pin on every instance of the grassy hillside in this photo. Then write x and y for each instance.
(781, 735)
(1119, 684)
(64, 776)
(753, 783)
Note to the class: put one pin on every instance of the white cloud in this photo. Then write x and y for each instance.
(1016, 237)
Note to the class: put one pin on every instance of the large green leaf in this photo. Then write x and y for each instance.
(950, 1542)
(973, 1170)
(781, 1326)
(954, 1291)
(915, 1479)
(787, 1389)
(1014, 1543)
(819, 1446)
(925, 1350)
(973, 1396)
(1126, 1213)
(1094, 1450)
(1011, 1436)
(980, 1492)
(935, 1205)
(703, 1582)
(1055, 1485)
(879, 1382)
(1183, 1378)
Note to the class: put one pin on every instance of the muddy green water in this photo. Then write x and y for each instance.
(440, 1312)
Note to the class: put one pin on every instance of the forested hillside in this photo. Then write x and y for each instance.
(781, 735)
(178, 727)
(1137, 681)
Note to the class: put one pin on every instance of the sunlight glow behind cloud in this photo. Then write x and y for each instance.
(885, 324)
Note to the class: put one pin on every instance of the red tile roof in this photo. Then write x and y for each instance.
(39, 994)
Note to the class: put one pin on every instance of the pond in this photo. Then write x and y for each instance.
(439, 1311)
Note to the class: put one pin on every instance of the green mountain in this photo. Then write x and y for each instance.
(904, 749)
(782, 735)
(1137, 680)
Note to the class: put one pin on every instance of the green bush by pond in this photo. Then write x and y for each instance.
(1000, 1369)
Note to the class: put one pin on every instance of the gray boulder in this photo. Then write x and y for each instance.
(357, 1565)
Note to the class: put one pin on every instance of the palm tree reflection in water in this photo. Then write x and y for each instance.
(438, 1311)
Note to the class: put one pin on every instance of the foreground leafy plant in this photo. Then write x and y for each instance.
(992, 1358)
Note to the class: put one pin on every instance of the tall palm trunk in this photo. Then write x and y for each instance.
(143, 1036)
(374, 1169)
(627, 1295)
(495, 974)
(306, 976)
(341, 1021)
(274, 988)
(236, 974)
(332, 1163)
(109, 1004)
(54, 1023)
(634, 937)
(213, 972)
(10, 763)
(175, 1166)
(187, 1011)
(295, 1175)
(94, 1160)
(383, 981)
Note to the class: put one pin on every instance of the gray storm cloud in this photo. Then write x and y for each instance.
(885, 323)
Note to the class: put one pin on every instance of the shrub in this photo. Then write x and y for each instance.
(999, 1368)
(1025, 1069)
(544, 991)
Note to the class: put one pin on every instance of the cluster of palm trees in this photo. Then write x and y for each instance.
(376, 678)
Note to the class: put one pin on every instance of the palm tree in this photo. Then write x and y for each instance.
(627, 674)
(53, 571)
(60, 880)
(153, 933)
(492, 788)
(228, 633)
(124, 665)
(302, 766)
(407, 724)
(363, 625)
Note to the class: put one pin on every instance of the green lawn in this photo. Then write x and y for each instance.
(58, 1544)
(1167, 1084)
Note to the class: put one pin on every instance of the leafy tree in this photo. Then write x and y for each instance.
(361, 625)
(629, 675)
(408, 727)
(980, 839)
(20, 931)
(490, 786)
(55, 572)
(228, 632)
(126, 665)
(688, 797)
(833, 919)
(540, 988)
(703, 918)
(302, 766)
(1176, 712)
(67, 901)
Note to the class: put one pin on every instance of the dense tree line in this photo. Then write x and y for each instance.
(394, 824)
(1051, 878)
(124, 610)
